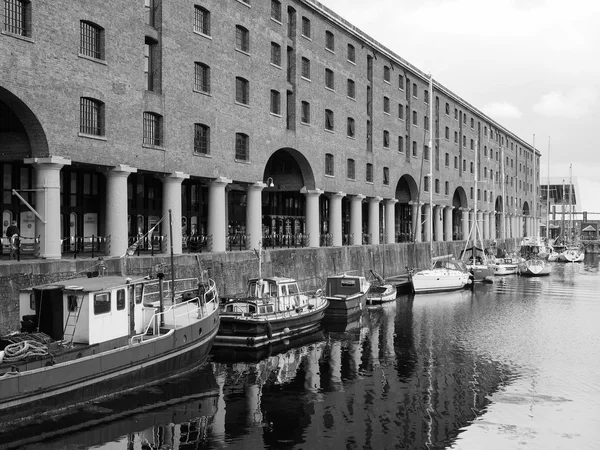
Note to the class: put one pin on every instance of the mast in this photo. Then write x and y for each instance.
(534, 193)
(548, 197)
(502, 181)
(430, 167)
(570, 203)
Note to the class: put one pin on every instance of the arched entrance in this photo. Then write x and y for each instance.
(459, 202)
(526, 219)
(499, 212)
(406, 194)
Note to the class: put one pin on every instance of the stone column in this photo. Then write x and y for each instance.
(335, 217)
(374, 219)
(479, 219)
(356, 218)
(493, 234)
(116, 209)
(172, 201)
(427, 224)
(254, 214)
(439, 222)
(217, 208)
(416, 221)
(312, 216)
(465, 223)
(486, 225)
(47, 203)
(390, 220)
(448, 223)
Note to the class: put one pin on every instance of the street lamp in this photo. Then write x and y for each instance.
(270, 182)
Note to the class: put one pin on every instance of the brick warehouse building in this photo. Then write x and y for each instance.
(248, 118)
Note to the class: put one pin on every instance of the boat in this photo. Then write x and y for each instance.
(97, 335)
(272, 310)
(533, 264)
(347, 296)
(573, 252)
(446, 274)
(505, 266)
(380, 291)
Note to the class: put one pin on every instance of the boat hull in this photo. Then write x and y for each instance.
(481, 272)
(344, 307)
(51, 387)
(381, 294)
(535, 269)
(505, 269)
(428, 281)
(571, 256)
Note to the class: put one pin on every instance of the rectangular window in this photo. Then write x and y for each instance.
(17, 17)
(329, 120)
(386, 105)
(306, 27)
(242, 91)
(447, 109)
(351, 89)
(329, 79)
(401, 82)
(151, 68)
(276, 54)
(386, 74)
(415, 121)
(152, 131)
(305, 117)
(400, 111)
(386, 176)
(201, 20)
(329, 164)
(329, 41)
(242, 147)
(447, 160)
(275, 102)
(150, 10)
(447, 133)
(202, 78)
(386, 139)
(201, 139)
(276, 10)
(446, 188)
(437, 186)
(306, 68)
(351, 171)
(350, 126)
(415, 93)
(426, 152)
(426, 96)
(102, 303)
(91, 119)
(369, 174)
(90, 43)
(351, 53)
(400, 144)
(242, 39)
(120, 299)
(414, 149)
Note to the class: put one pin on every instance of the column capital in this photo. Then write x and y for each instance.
(413, 202)
(338, 194)
(391, 201)
(178, 176)
(258, 186)
(221, 180)
(307, 191)
(375, 199)
(121, 168)
(450, 207)
(463, 209)
(48, 160)
(359, 197)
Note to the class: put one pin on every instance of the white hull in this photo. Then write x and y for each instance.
(535, 268)
(505, 269)
(439, 280)
(571, 255)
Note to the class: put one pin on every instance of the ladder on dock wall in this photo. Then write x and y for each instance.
(74, 307)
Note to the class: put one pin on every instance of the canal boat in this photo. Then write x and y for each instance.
(347, 296)
(447, 274)
(380, 291)
(272, 310)
(94, 336)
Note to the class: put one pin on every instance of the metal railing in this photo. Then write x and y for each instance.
(276, 240)
(85, 244)
(21, 247)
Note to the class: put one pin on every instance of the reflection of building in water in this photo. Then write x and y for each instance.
(399, 377)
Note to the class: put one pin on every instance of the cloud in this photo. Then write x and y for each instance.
(573, 104)
(502, 110)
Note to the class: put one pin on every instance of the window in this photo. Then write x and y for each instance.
(426, 152)
(455, 114)
(17, 17)
(414, 149)
(351, 170)
(386, 105)
(275, 102)
(401, 82)
(201, 139)
(400, 111)
(456, 137)
(446, 188)
(102, 303)
(305, 116)
(91, 116)
(242, 147)
(276, 54)
(447, 109)
(329, 119)
(242, 91)
(351, 89)
(472, 123)
(276, 10)
(426, 96)
(201, 20)
(426, 183)
(351, 53)
(152, 129)
(400, 144)
(350, 127)
(456, 162)
(306, 27)
(426, 122)
(120, 299)
(242, 39)
(90, 42)
(306, 68)
(437, 186)
(151, 72)
(472, 144)
(369, 174)
(415, 93)
(386, 176)
(386, 139)
(202, 78)
(464, 141)
(472, 167)
(329, 164)
(415, 121)
(329, 80)
(386, 74)
(447, 160)
(447, 133)
(329, 41)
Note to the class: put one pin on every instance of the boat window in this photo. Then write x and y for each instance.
(262, 309)
(139, 293)
(269, 308)
(273, 290)
(293, 288)
(120, 299)
(72, 303)
(229, 308)
(252, 309)
(283, 290)
(32, 301)
(102, 303)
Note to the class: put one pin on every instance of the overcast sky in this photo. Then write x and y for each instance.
(531, 65)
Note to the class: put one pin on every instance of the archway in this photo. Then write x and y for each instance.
(526, 218)
(459, 201)
(499, 213)
(406, 193)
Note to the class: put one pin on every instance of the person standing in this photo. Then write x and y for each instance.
(12, 233)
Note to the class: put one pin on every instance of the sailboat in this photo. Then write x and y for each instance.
(573, 251)
(533, 251)
(446, 274)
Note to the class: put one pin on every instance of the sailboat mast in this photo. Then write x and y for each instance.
(548, 196)
(503, 192)
(430, 166)
(476, 198)
(570, 203)
(534, 193)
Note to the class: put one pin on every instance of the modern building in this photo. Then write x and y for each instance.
(262, 120)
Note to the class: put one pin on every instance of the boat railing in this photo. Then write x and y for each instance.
(180, 314)
(314, 299)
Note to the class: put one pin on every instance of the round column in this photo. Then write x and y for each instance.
(439, 222)
(254, 214)
(217, 208)
(493, 234)
(448, 223)
(356, 218)
(486, 225)
(335, 217)
(374, 219)
(47, 203)
(416, 221)
(116, 209)
(479, 224)
(390, 220)
(465, 223)
(427, 227)
(312, 216)
(172, 201)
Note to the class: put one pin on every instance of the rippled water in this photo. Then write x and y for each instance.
(511, 365)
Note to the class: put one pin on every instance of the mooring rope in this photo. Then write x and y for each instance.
(22, 350)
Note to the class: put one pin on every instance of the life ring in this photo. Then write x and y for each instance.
(15, 241)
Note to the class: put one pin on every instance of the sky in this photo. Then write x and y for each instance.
(531, 65)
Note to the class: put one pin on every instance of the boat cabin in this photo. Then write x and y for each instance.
(450, 264)
(345, 286)
(266, 296)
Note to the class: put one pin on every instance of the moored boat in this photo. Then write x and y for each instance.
(380, 291)
(571, 254)
(94, 336)
(445, 275)
(273, 309)
(505, 267)
(347, 296)
(534, 258)
(535, 267)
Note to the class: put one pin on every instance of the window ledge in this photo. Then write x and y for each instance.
(275, 114)
(329, 131)
(199, 33)
(306, 124)
(276, 66)
(96, 60)
(329, 176)
(18, 36)
(208, 94)
(92, 136)
(351, 62)
(330, 51)
(242, 161)
(330, 89)
(154, 147)
(244, 3)
(243, 52)
(245, 105)
(306, 79)
(203, 155)
(308, 38)
(276, 21)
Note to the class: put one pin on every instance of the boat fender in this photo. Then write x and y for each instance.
(269, 331)
(286, 330)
